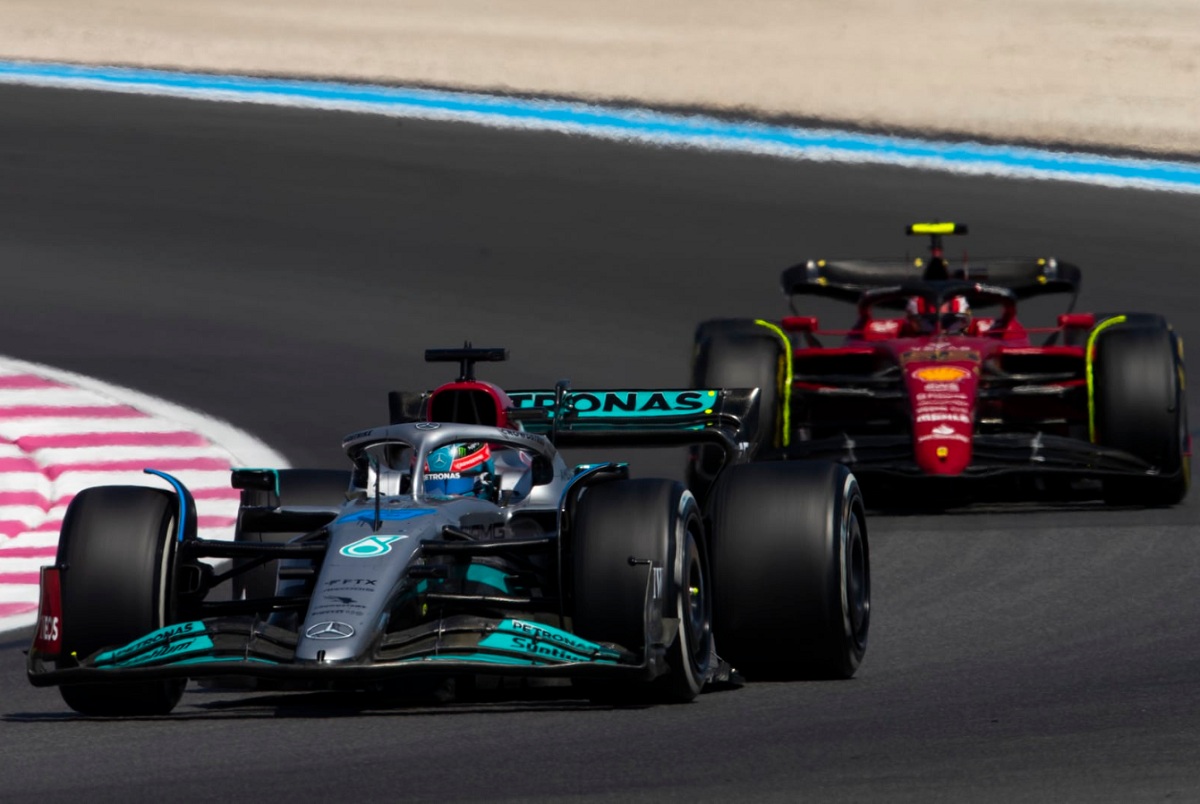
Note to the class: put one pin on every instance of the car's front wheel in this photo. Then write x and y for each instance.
(1140, 407)
(117, 554)
(638, 566)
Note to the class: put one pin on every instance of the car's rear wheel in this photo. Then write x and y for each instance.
(323, 487)
(736, 353)
(117, 553)
(622, 532)
(791, 570)
(1140, 407)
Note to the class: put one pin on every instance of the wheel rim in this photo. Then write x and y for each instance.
(695, 614)
(858, 593)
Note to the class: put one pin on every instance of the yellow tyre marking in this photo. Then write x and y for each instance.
(1091, 383)
(783, 417)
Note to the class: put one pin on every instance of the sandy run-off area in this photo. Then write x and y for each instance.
(1100, 73)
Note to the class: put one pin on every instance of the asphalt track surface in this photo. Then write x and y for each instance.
(282, 269)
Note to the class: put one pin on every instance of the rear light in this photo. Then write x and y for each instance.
(1077, 320)
(47, 636)
(799, 323)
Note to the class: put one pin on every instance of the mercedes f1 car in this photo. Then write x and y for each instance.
(938, 381)
(459, 544)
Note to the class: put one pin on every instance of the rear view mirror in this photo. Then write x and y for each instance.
(257, 479)
(1077, 320)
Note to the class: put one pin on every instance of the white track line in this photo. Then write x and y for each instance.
(61, 432)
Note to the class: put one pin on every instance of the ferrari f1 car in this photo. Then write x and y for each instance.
(937, 380)
(459, 544)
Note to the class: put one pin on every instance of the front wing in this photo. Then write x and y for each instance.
(252, 648)
(992, 455)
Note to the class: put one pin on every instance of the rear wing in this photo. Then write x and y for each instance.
(848, 279)
(619, 417)
(639, 418)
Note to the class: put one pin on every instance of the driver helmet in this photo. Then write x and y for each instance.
(954, 315)
(461, 470)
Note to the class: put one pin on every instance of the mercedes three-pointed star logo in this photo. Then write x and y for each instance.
(330, 630)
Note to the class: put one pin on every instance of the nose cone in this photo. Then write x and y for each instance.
(942, 396)
(357, 579)
(943, 454)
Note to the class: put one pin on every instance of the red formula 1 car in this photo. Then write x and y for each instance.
(938, 379)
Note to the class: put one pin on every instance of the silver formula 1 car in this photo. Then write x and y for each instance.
(459, 543)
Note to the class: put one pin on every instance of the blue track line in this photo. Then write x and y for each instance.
(638, 125)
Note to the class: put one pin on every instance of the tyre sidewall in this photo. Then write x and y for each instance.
(118, 554)
(646, 520)
(736, 353)
(785, 536)
(1140, 407)
(116, 585)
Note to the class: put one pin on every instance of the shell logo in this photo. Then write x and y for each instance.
(941, 374)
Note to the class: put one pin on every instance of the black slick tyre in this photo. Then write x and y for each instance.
(117, 551)
(791, 570)
(621, 531)
(325, 487)
(736, 353)
(1141, 408)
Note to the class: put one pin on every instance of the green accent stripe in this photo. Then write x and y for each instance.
(1091, 383)
(488, 576)
(784, 416)
(166, 653)
(546, 644)
(178, 631)
(544, 652)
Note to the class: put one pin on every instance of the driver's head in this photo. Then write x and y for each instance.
(462, 469)
(953, 315)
